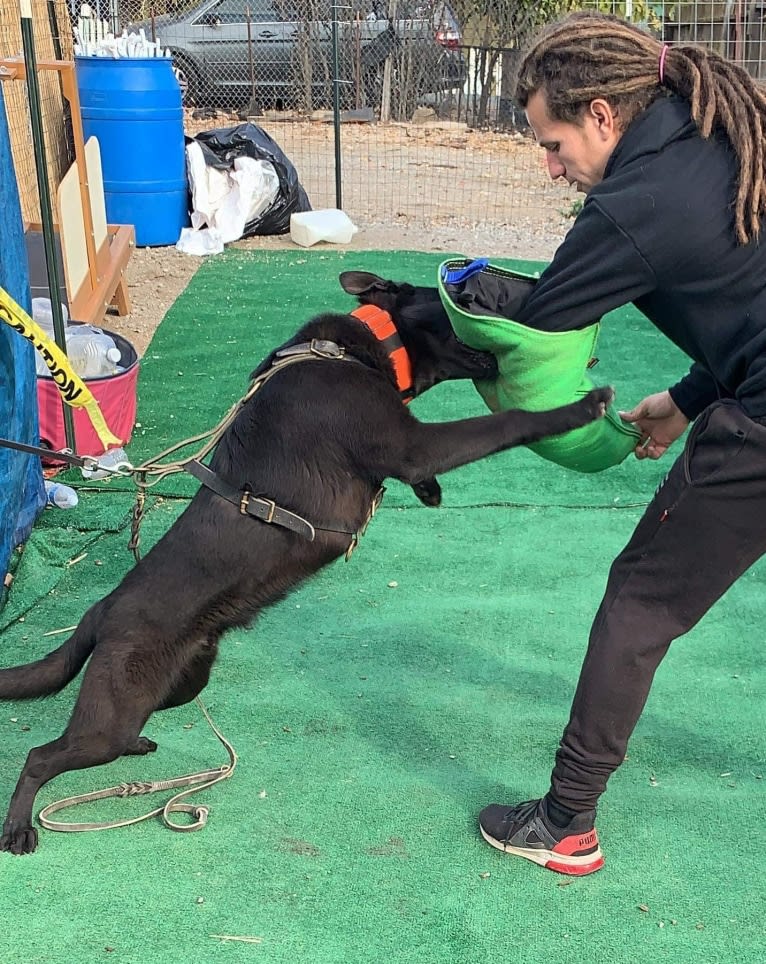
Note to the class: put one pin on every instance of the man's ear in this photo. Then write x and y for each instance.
(605, 117)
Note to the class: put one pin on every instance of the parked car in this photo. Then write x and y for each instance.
(284, 55)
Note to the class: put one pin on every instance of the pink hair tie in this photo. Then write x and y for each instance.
(663, 52)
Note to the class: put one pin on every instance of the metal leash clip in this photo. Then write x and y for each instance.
(102, 467)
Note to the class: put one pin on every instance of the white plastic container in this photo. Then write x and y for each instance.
(328, 224)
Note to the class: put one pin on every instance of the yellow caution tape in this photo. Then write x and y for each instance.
(73, 389)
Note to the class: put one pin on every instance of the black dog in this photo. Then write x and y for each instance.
(318, 438)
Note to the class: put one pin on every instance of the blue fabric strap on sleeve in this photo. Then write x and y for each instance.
(456, 275)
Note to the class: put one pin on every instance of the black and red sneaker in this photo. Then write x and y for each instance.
(527, 831)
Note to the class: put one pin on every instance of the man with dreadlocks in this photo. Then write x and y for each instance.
(668, 144)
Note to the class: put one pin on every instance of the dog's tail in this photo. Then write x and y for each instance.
(50, 674)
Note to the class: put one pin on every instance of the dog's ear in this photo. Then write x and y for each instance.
(362, 282)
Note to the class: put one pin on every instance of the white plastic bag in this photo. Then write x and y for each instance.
(225, 201)
(199, 241)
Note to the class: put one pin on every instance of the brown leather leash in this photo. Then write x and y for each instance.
(176, 804)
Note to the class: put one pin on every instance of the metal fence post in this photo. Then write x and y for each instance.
(336, 106)
(46, 209)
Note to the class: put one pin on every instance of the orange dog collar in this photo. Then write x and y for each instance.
(382, 326)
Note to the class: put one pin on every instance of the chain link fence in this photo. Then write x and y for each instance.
(387, 58)
(305, 55)
(396, 110)
(422, 89)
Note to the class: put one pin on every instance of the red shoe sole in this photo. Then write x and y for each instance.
(580, 870)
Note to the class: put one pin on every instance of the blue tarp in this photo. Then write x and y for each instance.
(22, 494)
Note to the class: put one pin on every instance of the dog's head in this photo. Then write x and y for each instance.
(435, 353)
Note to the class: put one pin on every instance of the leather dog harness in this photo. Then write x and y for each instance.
(259, 506)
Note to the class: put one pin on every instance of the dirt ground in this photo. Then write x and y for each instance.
(496, 201)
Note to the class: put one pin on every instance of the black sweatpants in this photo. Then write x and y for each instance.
(704, 527)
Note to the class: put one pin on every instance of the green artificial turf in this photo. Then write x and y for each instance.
(378, 708)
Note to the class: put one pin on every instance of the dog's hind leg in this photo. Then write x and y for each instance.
(43, 764)
(102, 728)
(193, 677)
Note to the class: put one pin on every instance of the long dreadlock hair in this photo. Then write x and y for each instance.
(589, 55)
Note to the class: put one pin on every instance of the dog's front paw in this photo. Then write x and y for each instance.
(597, 400)
(18, 840)
(429, 492)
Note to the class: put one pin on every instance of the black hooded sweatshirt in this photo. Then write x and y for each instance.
(658, 231)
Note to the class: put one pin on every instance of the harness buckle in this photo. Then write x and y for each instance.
(352, 546)
(326, 349)
(356, 536)
(244, 502)
(272, 508)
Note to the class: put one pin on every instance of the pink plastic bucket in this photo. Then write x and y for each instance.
(116, 397)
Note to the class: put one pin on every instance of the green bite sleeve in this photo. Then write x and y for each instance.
(537, 369)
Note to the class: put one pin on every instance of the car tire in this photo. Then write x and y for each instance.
(189, 81)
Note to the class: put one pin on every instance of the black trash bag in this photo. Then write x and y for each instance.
(222, 147)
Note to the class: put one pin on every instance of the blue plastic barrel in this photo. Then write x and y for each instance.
(133, 107)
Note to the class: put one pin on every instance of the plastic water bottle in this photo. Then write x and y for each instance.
(92, 353)
(62, 496)
(40, 367)
(42, 313)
